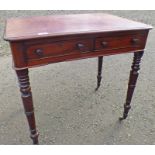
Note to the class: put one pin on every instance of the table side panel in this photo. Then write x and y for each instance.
(19, 56)
(65, 48)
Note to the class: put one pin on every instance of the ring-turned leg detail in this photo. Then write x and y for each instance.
(26, 95)
(132, 82)
(99, 76)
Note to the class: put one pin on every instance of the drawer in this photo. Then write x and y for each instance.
(118, 42)
(59, 48)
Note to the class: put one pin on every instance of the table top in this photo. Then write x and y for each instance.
(61, 25)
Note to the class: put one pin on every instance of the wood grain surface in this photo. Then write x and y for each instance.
(59, 25)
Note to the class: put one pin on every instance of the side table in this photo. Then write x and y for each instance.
(37, 41)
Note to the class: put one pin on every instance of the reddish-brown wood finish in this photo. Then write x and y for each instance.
(62, 25)
(60, 48)
(57, 49)
(26, 95)
(37, 41)
(132, 82)
(123, 41)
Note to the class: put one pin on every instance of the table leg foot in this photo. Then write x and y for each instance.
(99, 77)
(34, 138)
(132, 82)
(26, 95)
(126, 110)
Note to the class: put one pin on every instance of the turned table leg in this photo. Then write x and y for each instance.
(99, 76)
(132, 82)
(26, 95)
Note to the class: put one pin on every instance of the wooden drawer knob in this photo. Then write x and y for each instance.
(39, 52)
(82, 48)
(104, 44)
(135, 41)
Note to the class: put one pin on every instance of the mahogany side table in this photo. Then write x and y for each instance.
(37, 41)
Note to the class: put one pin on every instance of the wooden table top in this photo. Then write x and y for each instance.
(60, 25)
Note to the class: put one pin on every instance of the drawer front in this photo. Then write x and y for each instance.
(59, 48)
(118, 42)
